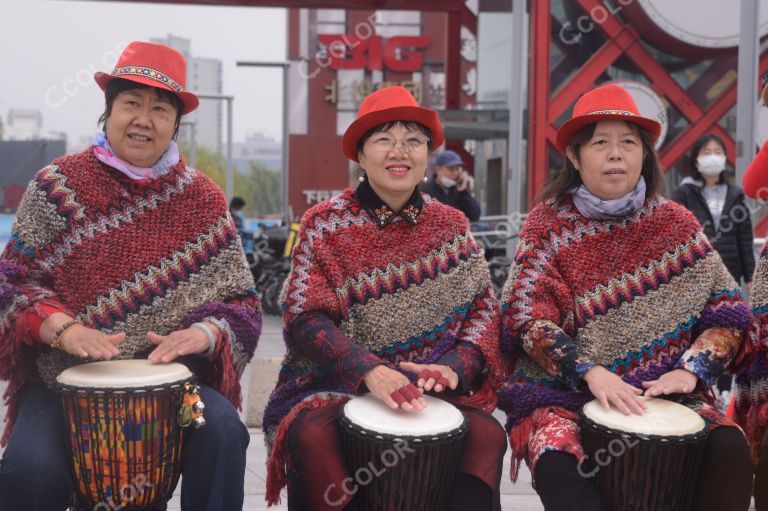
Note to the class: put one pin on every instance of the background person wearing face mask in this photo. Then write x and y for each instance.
(719, 207)
(452, 185)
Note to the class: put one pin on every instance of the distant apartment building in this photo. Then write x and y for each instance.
(258, 148)
(204, 76)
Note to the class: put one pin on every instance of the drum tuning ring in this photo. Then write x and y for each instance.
(198, 407)
(193, 389)
(199, 422)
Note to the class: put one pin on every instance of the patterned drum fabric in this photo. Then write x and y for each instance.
(124, 437)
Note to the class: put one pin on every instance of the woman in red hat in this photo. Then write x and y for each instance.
(388, 294)
(119, 252)
(615, 293)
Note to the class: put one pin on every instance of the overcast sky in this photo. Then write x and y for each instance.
(45, 43)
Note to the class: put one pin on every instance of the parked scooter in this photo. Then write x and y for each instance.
(269, 265)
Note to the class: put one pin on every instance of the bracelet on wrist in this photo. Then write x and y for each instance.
(63, 329)
(211, 338)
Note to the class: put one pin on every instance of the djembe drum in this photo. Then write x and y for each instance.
(402, 460)
(647, 462)
(124, 421)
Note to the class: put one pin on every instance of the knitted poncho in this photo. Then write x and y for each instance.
(641, 296)
(751, 407)
(125, 256)
(393, 288)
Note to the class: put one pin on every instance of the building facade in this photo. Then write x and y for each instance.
(204, 76)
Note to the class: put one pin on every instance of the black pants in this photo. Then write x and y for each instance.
(724, 483)
(761, 476)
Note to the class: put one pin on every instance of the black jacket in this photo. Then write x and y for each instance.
(463, 201)
(733, 237)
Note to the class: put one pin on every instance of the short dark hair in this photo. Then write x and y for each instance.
(409, 125)
(236, 203)
(118, 85)
(559, 181)
(694, 155)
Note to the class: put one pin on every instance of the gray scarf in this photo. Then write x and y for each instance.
(595, 208)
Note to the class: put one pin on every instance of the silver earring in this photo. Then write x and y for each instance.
(361, 177)
(425, 178)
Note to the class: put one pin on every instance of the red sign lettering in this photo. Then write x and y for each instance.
(349, 51)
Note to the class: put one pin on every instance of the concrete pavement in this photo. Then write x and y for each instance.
(514, 497)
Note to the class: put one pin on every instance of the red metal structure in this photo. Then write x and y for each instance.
(622, 40)
(317, 166)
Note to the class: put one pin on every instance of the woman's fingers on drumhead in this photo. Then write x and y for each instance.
(410, 392)
(411, 367)
(622, 406)
(388, 401)
(636, 405)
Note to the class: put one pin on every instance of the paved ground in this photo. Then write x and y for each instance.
(517, 497)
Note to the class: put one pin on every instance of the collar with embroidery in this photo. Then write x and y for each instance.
(383, 214)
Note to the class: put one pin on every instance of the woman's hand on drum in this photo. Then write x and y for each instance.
(190, 341)
(433, 376)
(83, 342)
(394, 389)
(678, 381)
(610, 389)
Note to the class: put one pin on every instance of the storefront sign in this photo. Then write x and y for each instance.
(349, 51)
(357, 91)
(318, 196)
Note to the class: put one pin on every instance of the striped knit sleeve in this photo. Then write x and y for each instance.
(536, 304)
(312, 312)
(308, 287)
(24, 294)
(722, 323)
(751, 408)
(239, 320)
(480, 330)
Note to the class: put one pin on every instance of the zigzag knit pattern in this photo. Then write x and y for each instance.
(751, 406)
(632, 295)
(125, 256)
(403, 292)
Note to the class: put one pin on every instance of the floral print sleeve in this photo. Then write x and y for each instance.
(466, 360)
(555, 351)
(326, 344)
(538, 310)
(710, 355)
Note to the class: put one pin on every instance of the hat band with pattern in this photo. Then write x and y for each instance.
(148, 72)
(613, 112)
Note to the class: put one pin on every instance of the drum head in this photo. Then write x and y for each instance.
(123, 374)
(370, 413)
(662, 417)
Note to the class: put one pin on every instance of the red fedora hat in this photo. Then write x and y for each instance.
(154, 65)
(389, 104)
(607, 103)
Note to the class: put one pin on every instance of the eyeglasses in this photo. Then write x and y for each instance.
(385, 143)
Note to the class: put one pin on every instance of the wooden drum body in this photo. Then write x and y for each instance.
(402, 460)
(646, 462)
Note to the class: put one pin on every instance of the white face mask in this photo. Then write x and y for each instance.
(711, 165)
(447, 182)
